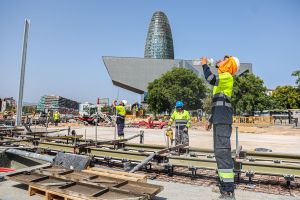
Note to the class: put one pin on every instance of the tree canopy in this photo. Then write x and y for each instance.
(287, 97)
(297, 75)
(249, 95)
(177, 84)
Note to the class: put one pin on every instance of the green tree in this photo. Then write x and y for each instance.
(287, 97)
(297, 75)
(177, 84)
(249, 95)
(29, 109)
(207, 102)
(108, 109)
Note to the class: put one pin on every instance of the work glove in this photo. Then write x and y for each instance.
(185, 129)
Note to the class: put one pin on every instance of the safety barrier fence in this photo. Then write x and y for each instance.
(253, 120)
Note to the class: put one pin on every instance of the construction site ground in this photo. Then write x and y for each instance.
(284, 139)
(11, 190)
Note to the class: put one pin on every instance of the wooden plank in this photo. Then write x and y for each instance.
(10, 175)
(114, 176)
(109, 171)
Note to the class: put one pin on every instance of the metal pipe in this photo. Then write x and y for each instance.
(141, 137)
(96, 134)
(37, 156)
(236, 141)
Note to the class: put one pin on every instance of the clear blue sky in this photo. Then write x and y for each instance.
(68, 38)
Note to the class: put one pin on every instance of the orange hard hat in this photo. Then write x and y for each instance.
(231, 65)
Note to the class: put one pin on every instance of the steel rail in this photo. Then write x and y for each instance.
(262, 167)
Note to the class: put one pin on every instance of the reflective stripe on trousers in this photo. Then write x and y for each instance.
(226, 175)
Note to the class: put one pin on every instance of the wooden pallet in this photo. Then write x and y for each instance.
(66, 184)
(49, 195)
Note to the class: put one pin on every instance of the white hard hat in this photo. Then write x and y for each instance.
(237, 62)
(124, 102)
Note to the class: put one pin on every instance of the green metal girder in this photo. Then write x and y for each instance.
(275, 169)
(118, 154)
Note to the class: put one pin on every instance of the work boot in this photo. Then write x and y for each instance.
(227, 195)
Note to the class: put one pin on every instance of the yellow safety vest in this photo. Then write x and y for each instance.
(225, 84)
(121, 110)
(182, 118)
(56, 116)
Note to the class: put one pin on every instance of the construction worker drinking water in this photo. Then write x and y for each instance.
(182, 121)
(120, 121)
(221, 119)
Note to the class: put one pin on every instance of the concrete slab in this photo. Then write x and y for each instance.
(11, 190)
(178, 191)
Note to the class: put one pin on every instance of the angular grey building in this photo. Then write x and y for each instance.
(159, 42)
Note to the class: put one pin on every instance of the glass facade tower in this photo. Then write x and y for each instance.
(159, 42)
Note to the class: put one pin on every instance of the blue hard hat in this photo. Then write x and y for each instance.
(179, 104)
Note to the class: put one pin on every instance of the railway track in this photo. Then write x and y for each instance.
(208, 177)
(269, 172)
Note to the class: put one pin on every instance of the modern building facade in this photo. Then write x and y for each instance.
(57, 103)
(159, 42)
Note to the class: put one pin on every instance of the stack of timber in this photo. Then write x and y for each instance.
(62, 183)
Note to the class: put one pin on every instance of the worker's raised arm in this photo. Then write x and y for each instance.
(209, 76)
(115, 103)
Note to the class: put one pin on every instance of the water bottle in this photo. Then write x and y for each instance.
(210, 62)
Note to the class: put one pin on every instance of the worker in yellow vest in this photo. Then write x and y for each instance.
(221, 119)
(120, 121)
(56, 117)
(182, 121)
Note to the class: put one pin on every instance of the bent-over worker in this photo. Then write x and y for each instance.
(182, 121)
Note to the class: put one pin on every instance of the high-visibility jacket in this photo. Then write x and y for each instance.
(121, 110)
(225, 84)
(181, 118)
(221, 106)
(56, 116)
